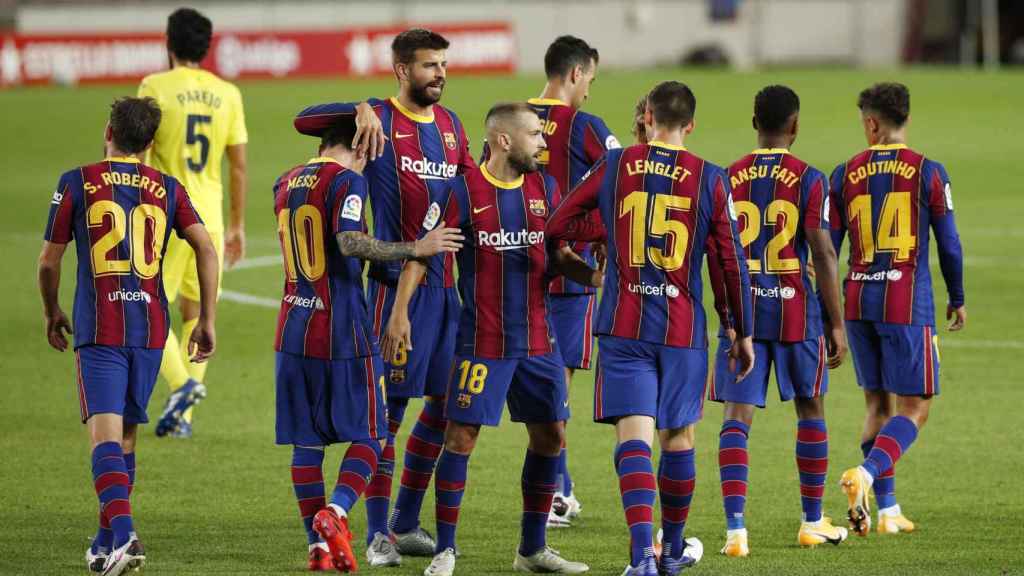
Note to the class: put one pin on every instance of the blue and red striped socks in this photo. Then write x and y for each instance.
(884, 485)
(539, 484)
(449, 487)
(637, 485)
(111, 481)
(677, 473)
(812, 464)
(378, 493)
(892, 441)
(354, 474)
(421, 452)
(733, 470)
(308, 482)
(104, 539)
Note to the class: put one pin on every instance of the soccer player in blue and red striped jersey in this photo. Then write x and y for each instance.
(782, 208)
(506, 348)
(659, 205)
(330, 379)
(425, 144)
(575, 142)
(120, 214)
(890, 199)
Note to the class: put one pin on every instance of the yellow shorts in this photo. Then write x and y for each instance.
(179, 267)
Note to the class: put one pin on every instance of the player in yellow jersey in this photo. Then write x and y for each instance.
(202, 120)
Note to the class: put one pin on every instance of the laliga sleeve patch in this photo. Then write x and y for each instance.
(353, 208)
(611, 142)
(732, 207)
(826, 209)
(433, 215)
(949, 197)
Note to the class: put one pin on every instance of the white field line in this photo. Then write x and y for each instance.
(243, 298)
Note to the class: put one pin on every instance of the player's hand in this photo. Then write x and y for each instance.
(730, 333)
(741, 356)
(396, 336)
(600, 250)
(202, 342)
(369, 137)
(438, 240)
(958, 317)
(57, 325)
(234, 246)
(835, 342)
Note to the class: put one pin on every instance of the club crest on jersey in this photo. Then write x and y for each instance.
(397, 375)
(449, 140)
(464, 400)
(538, 206)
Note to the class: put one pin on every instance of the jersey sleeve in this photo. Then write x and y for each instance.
(938, 191)
(816, 216)
(346, 199)
(572, 219)
(185, 214)
(730, 254)
(837, 222)
(939, 195)
(449, 206)
(598, 139)
(237, 133)
(315, 119)
(466, 163)
(716, 277)
(59, 228)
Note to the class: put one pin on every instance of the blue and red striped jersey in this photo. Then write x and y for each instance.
(778, 197)
(503, 274)
(660, 205)
(120, 213)
(576, 140)
(421, 153)
(886, 198)
(323, 310)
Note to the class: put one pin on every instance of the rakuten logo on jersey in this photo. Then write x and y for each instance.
(880, 276)
(654, 289)
(129, 296)
(784, 292)
(299, 301)
(505, 240)
(427, 169)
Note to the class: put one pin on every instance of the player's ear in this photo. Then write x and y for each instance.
(753, 122)
(401, 71)
(577, 74)
(689, 127)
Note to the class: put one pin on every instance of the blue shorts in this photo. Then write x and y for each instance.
(636, 378)
(116, 380)
(434, 317)
(534, 387)
(801, 370)
(898, 358)
(322, 402)
(572, 318)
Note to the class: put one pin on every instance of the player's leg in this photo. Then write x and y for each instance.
(740, 399)
(176, 260)
(539, 397)
(682, 376)
(434, 323)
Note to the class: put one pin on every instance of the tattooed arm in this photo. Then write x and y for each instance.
(366, 247)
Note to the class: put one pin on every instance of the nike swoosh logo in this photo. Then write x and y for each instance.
(399, 135)
(834, 541)
(479, 210)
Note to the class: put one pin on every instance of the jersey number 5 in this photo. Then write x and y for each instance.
(674, 233)
(192, 136)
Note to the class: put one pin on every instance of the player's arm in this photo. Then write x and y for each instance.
(369, 138)
(947, 241)
(717, 280)
(598, 139)
(570, 265)
(835, 208)
(57, 324)
(189, 227)
(234, 240)
(466, 163)
(818, 229)
(571, 220)
(737, 279)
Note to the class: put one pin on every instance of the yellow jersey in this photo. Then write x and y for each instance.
(202, 115)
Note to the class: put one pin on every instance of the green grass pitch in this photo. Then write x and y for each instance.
(222, 503)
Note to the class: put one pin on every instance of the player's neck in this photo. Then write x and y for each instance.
(176, 63)
(113, 152)
(773, 141)
(408, 104)
(673, 137)
(346, 158)
(555, 90)
(894, 137)
(499, 167)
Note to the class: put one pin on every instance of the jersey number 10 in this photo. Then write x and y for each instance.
(303, 230)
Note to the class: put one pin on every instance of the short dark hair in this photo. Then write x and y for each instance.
(405, 45)
(891, 100)
(188, 34)
(672, 103)
(133, 123)
(505, 110)
(773, 107)
(567, 52)
(341, 132)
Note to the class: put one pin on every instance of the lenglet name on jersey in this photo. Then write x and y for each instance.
(642, 166)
